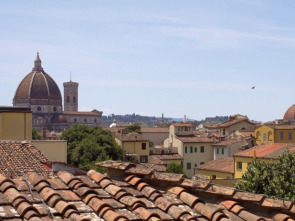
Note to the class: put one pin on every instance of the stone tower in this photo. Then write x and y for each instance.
(71, 96)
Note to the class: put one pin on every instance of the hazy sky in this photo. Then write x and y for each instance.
(195, 58)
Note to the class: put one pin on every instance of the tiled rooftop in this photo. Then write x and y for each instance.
(196, 139)
(223, 164)
(158, 196)
(266, 150)
(17, 157)
(154, 130)
(283, 126)
(181, 124)
(130, 136)
(228, 142)
(158, 158)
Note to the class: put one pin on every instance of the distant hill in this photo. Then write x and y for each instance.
(132, 118)
(152, 121)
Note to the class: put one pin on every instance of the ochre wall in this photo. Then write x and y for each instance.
(269, 135)
(245, 161)
(210, 173)
(54, 150)
(286, 136)
(134, 147)
(15, 126)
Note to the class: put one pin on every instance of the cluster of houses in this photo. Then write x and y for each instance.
(37, 184)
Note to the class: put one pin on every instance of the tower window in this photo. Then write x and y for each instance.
(74, 99)
(68, 99)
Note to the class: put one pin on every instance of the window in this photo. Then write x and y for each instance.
(85, 120)
(222, 150)
(196, 164)
(196, 149)
(54, 109)
(68, 99)
(74, 99)
(143, 159)
(38, 108)
(188, 166)
(239, 166)
(185, 149)
(290, 135)
(143, 146)
(281, 135)
(223, 131)
(264, 136)
(213, 177)
(75, 120)
(202, 149)
(217, 150)
(95, 120)
(191, 149)
(201, 163)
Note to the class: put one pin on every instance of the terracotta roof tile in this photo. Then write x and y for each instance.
(181, 124)
(196, 139)
(223, 164)
(130, 137)
(264, 150)
(245, 196)
(17, 157)
(194, 184)
(142, 198)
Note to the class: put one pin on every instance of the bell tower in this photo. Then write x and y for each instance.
(71, 96)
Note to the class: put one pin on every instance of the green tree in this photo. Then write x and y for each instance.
(174, 168)
(87, 145)
(275, 178)
(35, 134)
(133, 128)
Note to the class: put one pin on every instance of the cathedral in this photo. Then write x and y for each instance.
(40, 92)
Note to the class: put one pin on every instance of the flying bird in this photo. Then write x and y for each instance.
(253, 87)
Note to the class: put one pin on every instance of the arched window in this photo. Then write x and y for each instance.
(74, 99)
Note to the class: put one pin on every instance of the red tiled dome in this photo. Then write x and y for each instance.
(38, 85)
(290, 114)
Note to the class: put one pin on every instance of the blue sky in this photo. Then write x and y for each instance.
(194, 58)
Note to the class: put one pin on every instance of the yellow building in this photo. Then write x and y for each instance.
(264, 152)
(275, 134)
(195, 149)
(222, 168)
(15, 123)
(54, 150)
(135, 146)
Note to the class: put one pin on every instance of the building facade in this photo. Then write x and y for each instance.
(39, 92)
(15, 123)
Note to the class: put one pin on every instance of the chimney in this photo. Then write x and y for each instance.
(44, 133)
(184, 119)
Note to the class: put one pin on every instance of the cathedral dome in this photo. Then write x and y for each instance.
(290, 114)
(37, 88)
